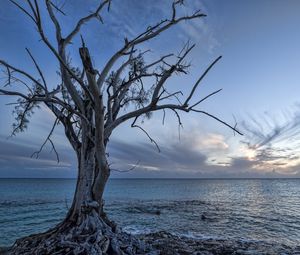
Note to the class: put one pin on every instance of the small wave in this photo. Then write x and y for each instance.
(203, 237)
(144, 209)
(136, 230)
(197, 236)
(157, 207)
(24, 203)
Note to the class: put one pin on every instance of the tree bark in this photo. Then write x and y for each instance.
(91, 182)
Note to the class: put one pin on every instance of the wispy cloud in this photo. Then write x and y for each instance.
(268, 129)
(274, 141)
(130, 18)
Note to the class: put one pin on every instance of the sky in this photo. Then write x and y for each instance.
(259, 41)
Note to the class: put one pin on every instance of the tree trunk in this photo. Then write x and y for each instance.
(90, 186)
(83, 193)
(86, 229)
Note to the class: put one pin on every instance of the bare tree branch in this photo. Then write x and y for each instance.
(170, 95)
(200, 79)
(24, 10)
(203, 99)
(36, 17)
(150, 33)
(48, 139)
(39, 70)
(127, 170)
(59, 9)
(134, 125)
(179, 122)
(219, 120)
(49, 5)
(162, 59)
(86, 19)
(25, 74)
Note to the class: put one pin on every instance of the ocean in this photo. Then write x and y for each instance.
(240, 209)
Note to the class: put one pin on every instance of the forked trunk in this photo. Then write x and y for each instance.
(93, 170)
(90, 186)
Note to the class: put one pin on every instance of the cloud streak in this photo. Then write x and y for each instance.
(275, 141)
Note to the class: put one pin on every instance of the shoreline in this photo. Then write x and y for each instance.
(170, 244)
(165, 243)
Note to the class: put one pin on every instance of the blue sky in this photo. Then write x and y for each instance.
(259, 74)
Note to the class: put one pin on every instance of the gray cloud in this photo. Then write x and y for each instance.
(176, 160)
(16, 161)
(173, 157)
(179, 160)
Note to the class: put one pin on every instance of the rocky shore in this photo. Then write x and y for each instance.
(164, 243)
(4, 250)
(168, 244)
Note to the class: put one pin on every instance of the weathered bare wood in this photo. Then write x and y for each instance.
(50, 7)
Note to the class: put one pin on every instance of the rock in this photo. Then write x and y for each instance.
(4, 250)
(168, 244)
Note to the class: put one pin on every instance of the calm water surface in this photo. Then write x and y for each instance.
(251, 209)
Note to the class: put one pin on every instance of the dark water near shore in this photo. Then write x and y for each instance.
(250, 209)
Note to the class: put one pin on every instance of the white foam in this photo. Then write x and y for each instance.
(135, 230)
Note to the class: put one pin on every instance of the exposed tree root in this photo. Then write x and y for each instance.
(89, 235)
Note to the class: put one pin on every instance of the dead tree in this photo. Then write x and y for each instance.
(90, 104)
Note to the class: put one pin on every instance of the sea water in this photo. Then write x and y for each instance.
(249, 209)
